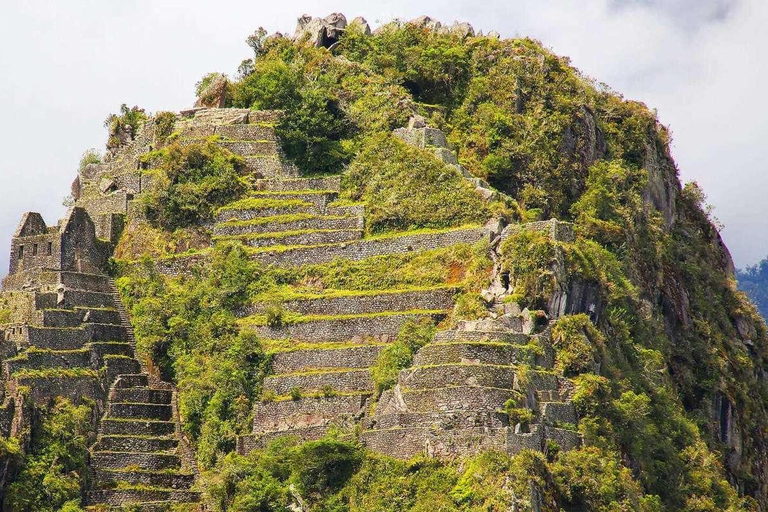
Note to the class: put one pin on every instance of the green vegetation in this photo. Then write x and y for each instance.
(52, 476)
(124, 127)
(193, 180)
(406, 188)
(412, 336)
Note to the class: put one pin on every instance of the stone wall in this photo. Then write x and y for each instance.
(372, 247)
(438, 299)
(383, 327)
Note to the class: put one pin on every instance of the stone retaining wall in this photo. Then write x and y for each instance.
(373, 247)
(361, 356)
(437, 299)
(430, 377)
(344, 381)
(383, 327)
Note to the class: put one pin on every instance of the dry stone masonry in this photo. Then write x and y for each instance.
(69, 336)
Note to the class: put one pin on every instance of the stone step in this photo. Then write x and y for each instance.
(166, 480)
(367, 248)
(445, 375)
(250, 147)
(139, 411)
(383, 327)
(301, 237)
(245, 132)
(140, 495)
(73, 299)
(139, 380)
(246, 444)
(84, 281)
(280, 208)
(479, 353)
(73, 384)
(308, 412)
(270, 167)
(146, 461)
(352, 356)
(278, 185)
(75, 317)
(40, 360)
(120, 365)
(112, 443)
(361, 303)
(146, 506)
(284, 223)
(338, 380)
(106, 348)
(141, 395)
(137, 427)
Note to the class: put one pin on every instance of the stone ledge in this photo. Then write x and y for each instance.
(295, 184)
(310, 237)
(317, 222)
(117, 460)
(443, 399)
(478, 353)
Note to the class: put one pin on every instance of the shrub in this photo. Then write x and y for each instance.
(295, 393)
(193, 180)
(578, 345)
(324, 466)
(54, 470)
(413, 335)
(124, 127)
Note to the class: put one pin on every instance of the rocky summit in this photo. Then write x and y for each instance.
(415, 267)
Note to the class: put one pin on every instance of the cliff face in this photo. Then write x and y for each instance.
(375, 247)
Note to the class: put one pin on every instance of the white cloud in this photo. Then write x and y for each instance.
(66, 65)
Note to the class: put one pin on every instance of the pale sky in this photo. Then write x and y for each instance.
(64, 66)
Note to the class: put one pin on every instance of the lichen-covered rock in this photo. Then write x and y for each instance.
(214, 95)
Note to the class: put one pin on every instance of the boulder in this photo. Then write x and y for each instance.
(361, 24)
(493, 34)
(215, 93)
(426, 22)
(335, 24)
(462, 29)
(320, 32)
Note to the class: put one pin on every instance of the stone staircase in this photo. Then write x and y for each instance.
(137, 458)
(451, 401)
